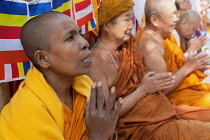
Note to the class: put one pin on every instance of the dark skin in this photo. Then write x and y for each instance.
(68, 57)
(101, 111)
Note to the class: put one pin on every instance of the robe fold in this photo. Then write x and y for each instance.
(36, 113)
(154, 116)
(191, 91)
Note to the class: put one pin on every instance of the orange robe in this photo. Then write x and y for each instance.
(74, 122)
(191, 91)
(36, 112)
(154, 116)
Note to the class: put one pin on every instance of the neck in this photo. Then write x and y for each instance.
(110, 42)
(61, 85)
(155, 32)
(111, 48)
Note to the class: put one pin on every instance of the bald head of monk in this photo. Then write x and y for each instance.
(183, 5)
(53, 42)
(188, 22)
(35, 34)
(161, 18)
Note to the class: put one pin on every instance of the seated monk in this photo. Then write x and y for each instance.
(50, 102)
(186, 27)
(163, 54)
(146, 113)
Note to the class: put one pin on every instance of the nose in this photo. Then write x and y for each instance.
(85, 44)
(131, 25)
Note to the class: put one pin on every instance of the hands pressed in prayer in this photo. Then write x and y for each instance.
(153, 82)
(195, 43)
(100, 115)
(196, 61)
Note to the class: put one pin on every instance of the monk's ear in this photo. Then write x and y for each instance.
(42, 58)
(106, 26)
(154, 20)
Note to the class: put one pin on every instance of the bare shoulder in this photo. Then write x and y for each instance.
(97, 66)
(152, 48)
(98, 69)
(148, 44)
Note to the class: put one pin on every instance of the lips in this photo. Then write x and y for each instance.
(87, 58)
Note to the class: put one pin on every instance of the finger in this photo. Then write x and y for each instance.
(149, 74)
(93, 98)
(204, 38)
(118, 107)
(164, 88)
(100, 98)
(205, 61)
(87, 108)
(167, 83)
(111, 101)
(160, 76)
(201, 36)
(205, 67)
(202, 56)
(169, 79)
(194, 38)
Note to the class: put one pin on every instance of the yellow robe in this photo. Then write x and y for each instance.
(191, 91)
(36, 113)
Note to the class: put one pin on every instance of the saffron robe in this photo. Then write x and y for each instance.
(154, 116)
(191, 91)
(35, 111)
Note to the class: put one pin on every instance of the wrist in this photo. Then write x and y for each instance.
(142, 91)
(187, 70)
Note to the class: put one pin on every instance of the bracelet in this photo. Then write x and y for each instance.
(115, 136)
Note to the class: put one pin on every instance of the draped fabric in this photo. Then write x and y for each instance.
(35, 111)
(191, 91)
(154, 116)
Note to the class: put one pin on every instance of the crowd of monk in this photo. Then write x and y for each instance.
(147, 87)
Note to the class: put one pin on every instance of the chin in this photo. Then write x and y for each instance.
(127, 38)
(87, 71)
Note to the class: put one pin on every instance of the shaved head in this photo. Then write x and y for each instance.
(183, 4)
(154, 7)
(190, 16)
(36, 32)
(188, 23)
(178, 3)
